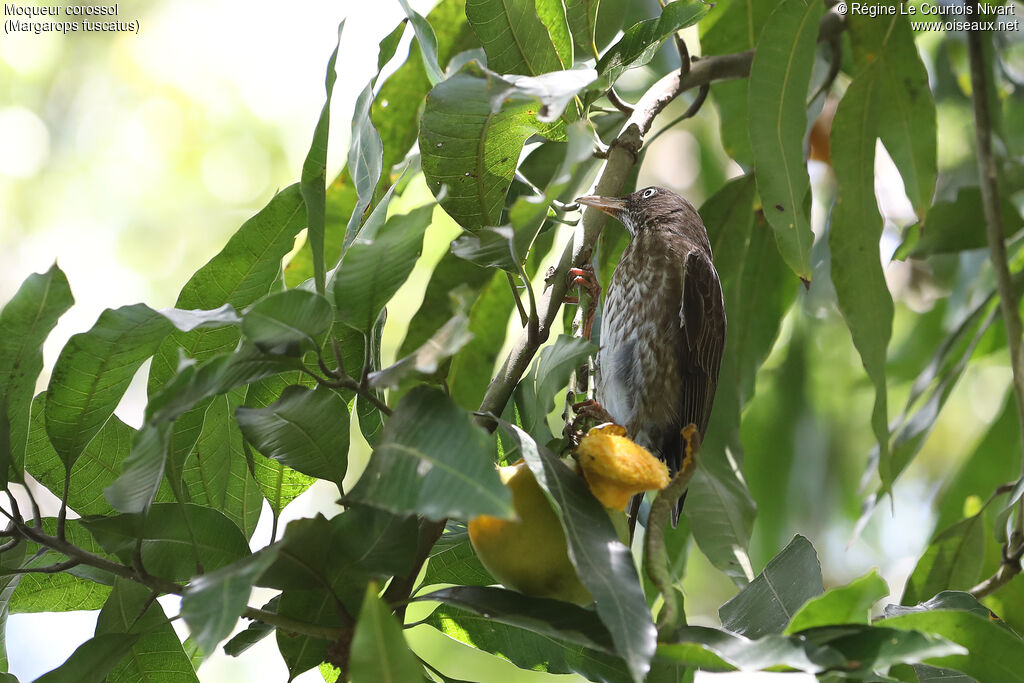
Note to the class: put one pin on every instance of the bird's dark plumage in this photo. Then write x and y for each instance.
(663, 327)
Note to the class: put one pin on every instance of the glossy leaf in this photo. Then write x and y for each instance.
(427, 359)
(157, 654)
(371, 420)
(641, 41)
(719, 501)
(552, 618)
(213, 602)
(318, 606)
(766, 606)
(952, 561)
(605, 566)
(946, 600)
(887, 51)
(25, 323)
(287, 318)
(314, 175)
(535, 395)
(379, 651)
(995, 653)
(365, 160)
(877, 647)
(142, 472)
(734, 26)
(779, 80)
(471, 150)
(489, 248)
(94, 470)
(554, 91)
(849, 604)
(517, 40)
(582, 18)
(428, 43)
(372, 271)
(856, 228)
(306, 430)
(176, 538)
(93, 372)
(944, 232)
(453, 560)
(253, 633)
(244, 271)
(711, 648)
(526, 649)
(93, 660)
(433, 460)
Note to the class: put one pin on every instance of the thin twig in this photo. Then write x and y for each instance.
(690, 112)
(346, 382)
(50, 569)
(620, 104)
(989, 182)
(63, 514)
(524, 317)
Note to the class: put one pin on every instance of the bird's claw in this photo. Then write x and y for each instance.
(585, 278)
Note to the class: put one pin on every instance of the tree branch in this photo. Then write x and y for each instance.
(989, 181)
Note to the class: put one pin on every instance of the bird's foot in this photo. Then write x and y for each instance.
(585, 278)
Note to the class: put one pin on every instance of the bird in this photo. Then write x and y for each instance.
(663, 326)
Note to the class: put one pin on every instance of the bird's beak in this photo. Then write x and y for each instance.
(613, 206)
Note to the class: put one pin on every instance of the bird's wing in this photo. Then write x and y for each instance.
(702, 317)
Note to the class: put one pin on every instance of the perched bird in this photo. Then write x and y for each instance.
(663, 327)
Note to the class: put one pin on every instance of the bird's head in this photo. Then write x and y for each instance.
(646, 208)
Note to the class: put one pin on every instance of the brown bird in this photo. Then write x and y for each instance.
(663, 327)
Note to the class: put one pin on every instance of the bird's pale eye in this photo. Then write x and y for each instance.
(649, 192)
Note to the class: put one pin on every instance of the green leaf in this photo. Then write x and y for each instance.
(719, 650)
(93, 372)
(25, 323)
(79, 588)
(993, 653)
(516, 37)
(142, 472)
(428, 43)
(373, 269)
(554, 91)
(94, 470)
(449, 273)
(93, 660)
(945, 234)
(213, 602)
(371, 420)
(765, 606)
(952, 561)
(856, 228)
(489, 248)
(157, 655)
(313, 606)
(254, 633)
(365, 160)
(526, 649)
(946, 600)
(535, 394)
(176, 539)
(427, 359)
(314, 175)
(876, 648)
(453, 560)
(582, 18)
(552, 618)
(433, 460)
(908, 130)
(287, 318)
(605, 566)
(217, 475)
(641, 41)
(12, 558)
(244, 271)
(470, 149)
(379, 651)
(734, 26)
(779, 80)
(719, 503)
(306, 430)
(850, 604)
(396, 110)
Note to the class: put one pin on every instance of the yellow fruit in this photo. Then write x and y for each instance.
(528, 554)
(616, 468)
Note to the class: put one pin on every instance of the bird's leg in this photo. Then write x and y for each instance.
(585, 278)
